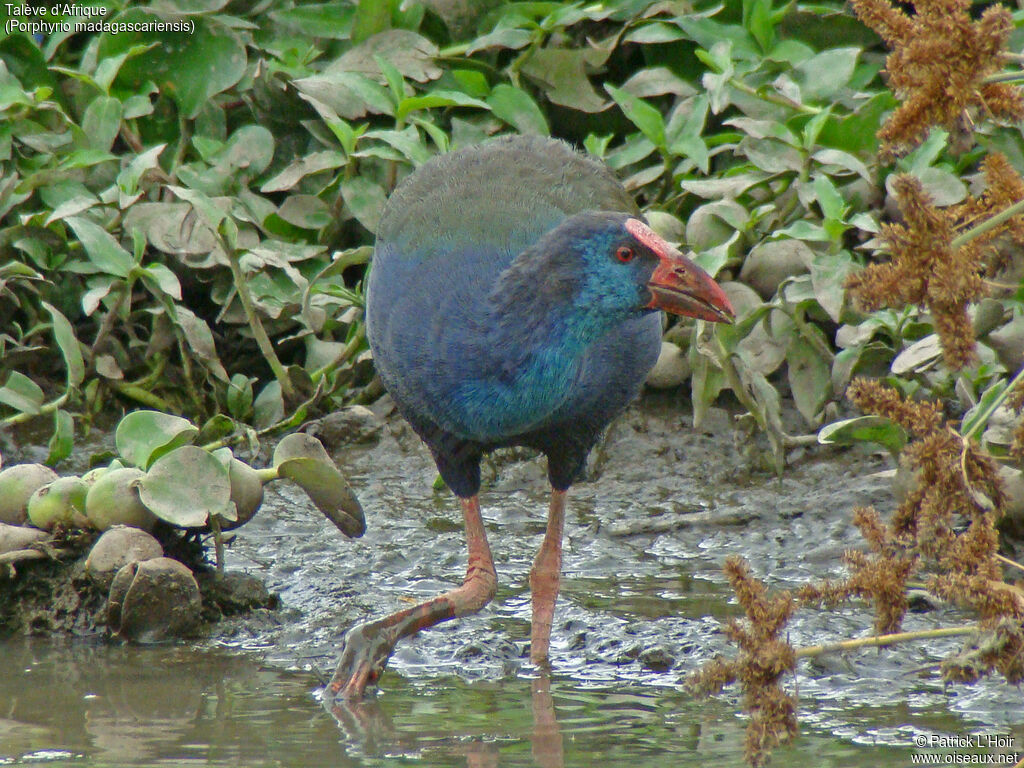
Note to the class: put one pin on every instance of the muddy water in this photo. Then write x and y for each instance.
(641, 600)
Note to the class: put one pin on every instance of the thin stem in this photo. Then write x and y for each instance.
(45, 408)
(218, 544)
(879, 640)
(1009, 562)
(986, 226)
(1004, 77)
(108, 321)
(140, 395)
(344, 355)
(981, 420)
(258, 331)
(774, 98)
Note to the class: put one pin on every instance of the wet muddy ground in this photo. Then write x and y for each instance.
(641, 599)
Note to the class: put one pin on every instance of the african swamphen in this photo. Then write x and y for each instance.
(513, 300)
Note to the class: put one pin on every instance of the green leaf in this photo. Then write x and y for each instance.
(347, 94)
(832, 204)
(189, 67)
(186, 486)
(365, 199)
(976, 418)
(706, 382)
(688, 142)
(239, 395)
(63, 439)
(327, 20)
(200, 341)
(68, 344)
(159, 279)
(22, 394)
(143, 436)
(517, 108)
(393, 77)
(438, 98)
(103, 250)
(102, 121)
(865, 429)
(109, 66)
(302, 167)
(302, 459)
(268, 408)
(823, 75)
(562, 75)
(810, 378)
(641, 114)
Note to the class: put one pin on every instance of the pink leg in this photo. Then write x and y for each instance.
(544, 577)
(369, 646)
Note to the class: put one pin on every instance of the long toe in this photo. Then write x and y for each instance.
(363, 659)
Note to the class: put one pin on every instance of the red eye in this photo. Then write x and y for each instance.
(624, 254)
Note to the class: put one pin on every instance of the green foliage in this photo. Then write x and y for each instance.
(185, 218)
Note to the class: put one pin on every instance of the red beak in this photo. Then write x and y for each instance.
(678, 285)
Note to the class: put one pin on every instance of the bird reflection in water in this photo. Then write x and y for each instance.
(367, 724)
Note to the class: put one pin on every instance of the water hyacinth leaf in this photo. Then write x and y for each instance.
(302, 459)
(63, 438)
(186, 486)
(865, 429)
(101, 248)
(216, 428)
(68, 344)
(143, 436)
(22, 394)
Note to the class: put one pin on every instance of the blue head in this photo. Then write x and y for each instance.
(597, 269)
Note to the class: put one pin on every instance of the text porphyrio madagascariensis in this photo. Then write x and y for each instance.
(513, 300)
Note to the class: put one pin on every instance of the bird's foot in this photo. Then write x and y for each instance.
(365, 655)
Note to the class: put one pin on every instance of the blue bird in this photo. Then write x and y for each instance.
(513, 299)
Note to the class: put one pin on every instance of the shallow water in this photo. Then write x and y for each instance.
(85, 704)
(641, 601)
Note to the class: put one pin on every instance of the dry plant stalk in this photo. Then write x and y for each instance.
(938, 65)
(945, 526)
(762, 660)
(934, 264)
